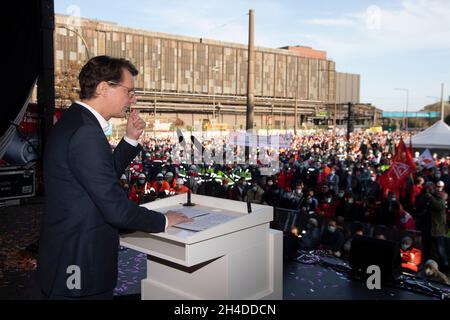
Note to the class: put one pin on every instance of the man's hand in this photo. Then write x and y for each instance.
(135, 125)
(176, 218)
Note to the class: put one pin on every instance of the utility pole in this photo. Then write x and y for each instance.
(334, 116)
(295, 117)
(250, 78)
(296, 106)
(442, 102)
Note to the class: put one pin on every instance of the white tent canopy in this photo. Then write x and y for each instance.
(435, 137)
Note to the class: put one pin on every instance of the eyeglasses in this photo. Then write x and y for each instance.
(131, 91)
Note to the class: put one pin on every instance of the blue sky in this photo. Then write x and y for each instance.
(390, 43)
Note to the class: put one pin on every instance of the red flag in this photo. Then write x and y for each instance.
(402, 166)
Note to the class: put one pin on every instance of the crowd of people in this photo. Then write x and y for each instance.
(322, 176)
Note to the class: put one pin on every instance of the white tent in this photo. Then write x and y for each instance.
(435, 137)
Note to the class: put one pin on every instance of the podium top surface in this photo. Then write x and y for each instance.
(215, 217)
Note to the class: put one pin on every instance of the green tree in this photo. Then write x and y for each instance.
(66, 85)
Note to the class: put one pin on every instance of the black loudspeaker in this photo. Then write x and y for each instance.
(385, 254)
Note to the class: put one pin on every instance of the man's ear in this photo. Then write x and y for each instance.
(102, 89)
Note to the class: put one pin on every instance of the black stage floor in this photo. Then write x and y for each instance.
(19, 227)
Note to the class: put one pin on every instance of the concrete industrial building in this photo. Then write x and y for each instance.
(193, 80)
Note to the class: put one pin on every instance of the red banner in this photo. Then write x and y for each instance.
(402, 166)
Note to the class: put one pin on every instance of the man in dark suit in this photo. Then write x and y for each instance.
(85, 205)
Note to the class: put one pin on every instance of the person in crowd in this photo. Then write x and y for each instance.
(386, 215)
(404, 221)
(298, 198)
(310, 204)
(431, 272)
(348, 209)
(411, 256)
(124, 184)
(333, 181)
(439, 228)
(422, 217)
(332, 239)
(357, 231)
(291, 244)
(417, 188)
(254, 194)
(238, 192)
(310, 239)
(327, 207)
(169, 177)
(180, 187)
(140, 189)
(440, 188)
(160, 187)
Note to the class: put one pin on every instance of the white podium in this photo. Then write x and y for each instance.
(238, 259)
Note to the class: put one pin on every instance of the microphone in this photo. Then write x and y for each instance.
(189, 203)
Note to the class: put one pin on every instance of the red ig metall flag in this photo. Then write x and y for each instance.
(402, 166)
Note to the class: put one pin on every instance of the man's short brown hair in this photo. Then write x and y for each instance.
(102, 68)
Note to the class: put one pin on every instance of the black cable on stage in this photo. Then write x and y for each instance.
(405, 282)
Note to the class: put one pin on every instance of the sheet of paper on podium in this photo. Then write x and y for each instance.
(205, 221)
(190, 212)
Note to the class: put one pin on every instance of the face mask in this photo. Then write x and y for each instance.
(440, 188)
(254, 189)
(331, 229)
(309, 201)
(141, 181)
(328, 200)
(428, 272)
(392, 199)
(373, 179)
(341, 195)
(269, 183)
(350, 201)
(437, 176)
(298, 191)
(405, 246)
(160, 181)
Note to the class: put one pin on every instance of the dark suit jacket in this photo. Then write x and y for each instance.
(85, 206)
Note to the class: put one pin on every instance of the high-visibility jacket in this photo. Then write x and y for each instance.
(138, 191)
(163, 187)
(411, 258)
(182, 189)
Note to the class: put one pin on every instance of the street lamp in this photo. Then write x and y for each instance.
(80, 36)
(405, 119)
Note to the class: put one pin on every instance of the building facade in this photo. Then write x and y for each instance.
(190, 80)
